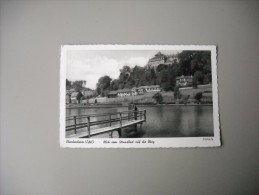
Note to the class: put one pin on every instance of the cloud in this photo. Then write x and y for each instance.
(133, 61)
(92, 69)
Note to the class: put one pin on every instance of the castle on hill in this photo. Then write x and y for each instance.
(160, 58)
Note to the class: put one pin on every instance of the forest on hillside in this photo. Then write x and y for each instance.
(195, 63)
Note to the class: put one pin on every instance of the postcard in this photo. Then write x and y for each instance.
(139, 96)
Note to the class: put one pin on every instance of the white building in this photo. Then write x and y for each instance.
(150, 89)
(184, 81)
(134, 91)
(124, 92)
(159, 58)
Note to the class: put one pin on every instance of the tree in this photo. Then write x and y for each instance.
(177, 92)
(103, 85)
(198, 96)
(115, 85)
(125, 69)
(166, 86)
(68, 83)
(153, 74)
(198, 78)
(123, 79)
(161, 67)
(195, 63)
(162, 80)
(79, 96)
(78, 85)
(171, 74)
(158, 97)
(185, 58)
(206, 80)
(194, 83)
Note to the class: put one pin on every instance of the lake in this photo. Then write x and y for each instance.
(162, 121)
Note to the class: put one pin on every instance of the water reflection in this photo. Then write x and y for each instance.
(163, 121)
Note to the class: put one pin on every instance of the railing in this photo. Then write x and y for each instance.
(117, 117)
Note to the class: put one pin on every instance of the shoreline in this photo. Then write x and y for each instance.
(141, 105)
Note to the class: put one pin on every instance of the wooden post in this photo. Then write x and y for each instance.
(111, 134)
(119, 131)
(88, 126)
(110, 125)
(120, 120)
(129, 112)
(75, 123)
(145, 117)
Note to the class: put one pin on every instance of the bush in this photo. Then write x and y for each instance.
(198, 96)
(177, 93)
(158, 97)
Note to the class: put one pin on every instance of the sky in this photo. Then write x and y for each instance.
(90, 65)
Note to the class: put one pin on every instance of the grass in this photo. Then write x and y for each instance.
(168, 97)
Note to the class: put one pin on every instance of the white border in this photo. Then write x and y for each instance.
(178, 142)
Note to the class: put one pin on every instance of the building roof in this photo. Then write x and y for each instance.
(124, 90)
(134, 88)
(157, 56)
(150, 86)
(187, 78)
(113, 93)
(73, 94)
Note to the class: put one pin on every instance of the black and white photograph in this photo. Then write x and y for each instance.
(138, 96)
(128, 97)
